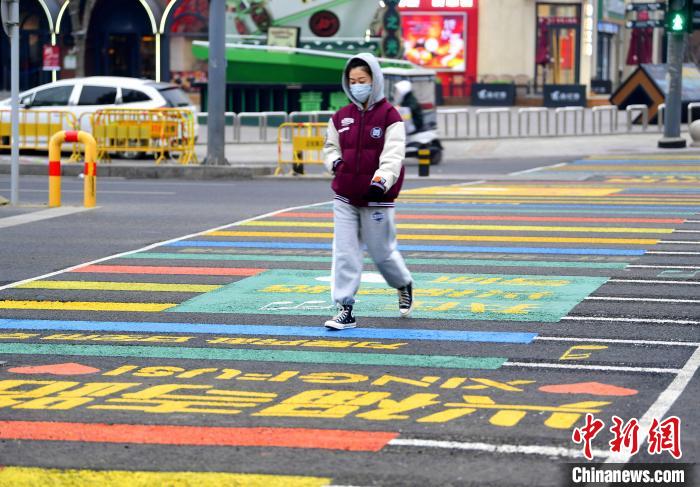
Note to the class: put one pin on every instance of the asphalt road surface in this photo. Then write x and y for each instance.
(174, 333)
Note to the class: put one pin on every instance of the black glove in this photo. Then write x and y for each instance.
(336, 163)
(376, 190)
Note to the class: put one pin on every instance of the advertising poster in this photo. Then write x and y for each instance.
(434, 40)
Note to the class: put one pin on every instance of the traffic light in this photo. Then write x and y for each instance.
(679, 16)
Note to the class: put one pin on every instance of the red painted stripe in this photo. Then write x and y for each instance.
(90, 169)
(196, 435)
(54, 168)
(497, 218)
(71, 136)
(203, 271)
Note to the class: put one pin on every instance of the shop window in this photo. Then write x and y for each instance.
(52, 97)
(98, 95)
(557, 44)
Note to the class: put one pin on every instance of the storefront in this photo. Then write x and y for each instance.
(611, 16)
(558, 41)
(443, 35)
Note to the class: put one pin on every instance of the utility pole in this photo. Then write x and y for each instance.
(216, 93)
(678, 23)
(9, 11)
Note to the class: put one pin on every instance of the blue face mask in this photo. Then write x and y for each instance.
(361, 92)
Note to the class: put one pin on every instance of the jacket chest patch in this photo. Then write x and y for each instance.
(376, 132)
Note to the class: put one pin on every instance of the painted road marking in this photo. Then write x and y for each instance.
(535, 169)
(643, 266)
(271, 330)
(443, 237)
(12, 221)
(84, 478)
(158, 244)
(633, 320)
(555, 207)
(662, 404)
(445, 296)
(119, 286)
(500, 228)
(664, 252)
(432, 262)
(650, 281)
(194, 271)
(642, 300)
(607, 368)
(680, 242)
(87, 306)
(344, 358)
(618, 340)
(330, 439)
(427, 216)
(549, 451)
(409, 248)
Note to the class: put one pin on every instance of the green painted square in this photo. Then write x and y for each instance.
(436, 296)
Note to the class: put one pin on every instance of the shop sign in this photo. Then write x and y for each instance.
(52, 58)
(283, 36)
(562, 21)
(493, 94)
(564, 95)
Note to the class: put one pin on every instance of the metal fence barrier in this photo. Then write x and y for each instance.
(454, 114)
(598, 113)
(636, 109)
(306, 147)
(562, 113)
(158, 132)
(36, 127)
(540, 113)
(692, 106)
(489, 112)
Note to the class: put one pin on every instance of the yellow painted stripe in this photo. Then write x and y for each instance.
(605, 157)
(31, 477)
(597, 191)
(500, 228)
(625, 167)
(461, 238)
(613, 201)
(119, 286)
(86, 306)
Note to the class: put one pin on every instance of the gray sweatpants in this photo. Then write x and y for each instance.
(373, 226)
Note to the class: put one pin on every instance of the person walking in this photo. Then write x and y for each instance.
(364, 150)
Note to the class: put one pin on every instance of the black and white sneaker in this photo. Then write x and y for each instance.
(343, 320)
(406, 300)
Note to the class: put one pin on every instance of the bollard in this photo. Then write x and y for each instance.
(90, 170)
(424, 161)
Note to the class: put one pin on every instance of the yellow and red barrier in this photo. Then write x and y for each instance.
(307, 141)
(90, 171)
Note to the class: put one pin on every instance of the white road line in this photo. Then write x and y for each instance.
(651, 281)
(152, 246)
(679, 242)
(642, 266)
(612, 368)
(663, 252)
(550, 451)
(535, 169)
(618, 340)
(642, 300)
(686, 231)
(662, 404)
(692, 221)
(12, 221)
(633, 320)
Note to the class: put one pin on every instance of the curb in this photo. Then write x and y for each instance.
(148, 172)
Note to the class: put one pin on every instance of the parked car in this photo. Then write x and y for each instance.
(88, 95)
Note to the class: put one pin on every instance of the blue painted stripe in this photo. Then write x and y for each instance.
(273, 330)
(408, 248)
